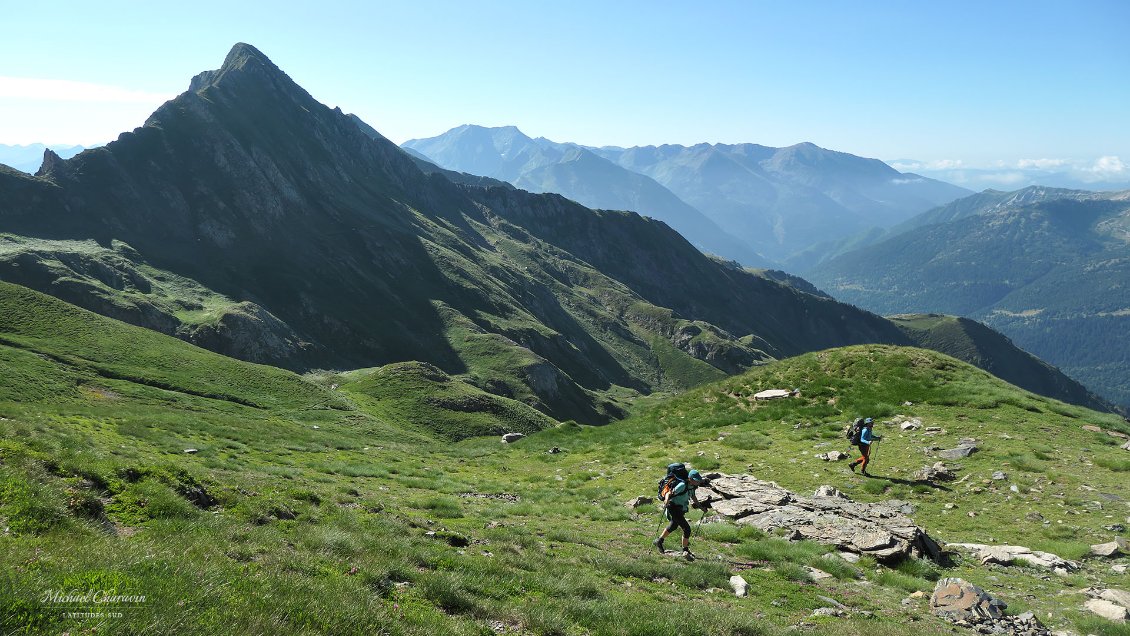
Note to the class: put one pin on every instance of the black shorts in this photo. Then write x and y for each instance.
(678, 520)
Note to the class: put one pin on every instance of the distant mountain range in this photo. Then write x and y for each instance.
(248, 218)
(539, 165)
(28, 158)
(780, 202)
(1047, 267)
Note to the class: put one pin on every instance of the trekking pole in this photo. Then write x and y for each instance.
(700, 520)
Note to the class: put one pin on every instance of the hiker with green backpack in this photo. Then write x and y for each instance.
(676, 491)
(861, 436)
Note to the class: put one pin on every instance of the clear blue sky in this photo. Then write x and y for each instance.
(970, 81)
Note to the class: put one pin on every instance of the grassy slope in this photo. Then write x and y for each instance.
(1050, 275)
(422, 396)
(987, 349)
(315, 520)
(113, 274)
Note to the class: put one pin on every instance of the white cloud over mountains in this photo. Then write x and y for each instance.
(70, 91)
(1042, 164)
(1105, 172)
(1110, 166)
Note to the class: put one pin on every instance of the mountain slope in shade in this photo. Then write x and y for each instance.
(785, 200)
(1047, 268)
(249, 188)
(540, 166)
(245, 197)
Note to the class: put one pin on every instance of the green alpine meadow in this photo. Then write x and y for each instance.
(264, 371)
(239, 498)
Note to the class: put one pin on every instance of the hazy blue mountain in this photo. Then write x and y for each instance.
(539, 165)
(28, 158)
(784, 201)
(979, 203)
(1046, 267)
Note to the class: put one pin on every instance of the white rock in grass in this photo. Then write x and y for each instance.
(817, 575)
(1118, 597)
(1106, 609)
(739, 584)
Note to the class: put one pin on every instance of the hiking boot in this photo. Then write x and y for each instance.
(687, 554)
(852, 466)
(865, 473)
(659, 544)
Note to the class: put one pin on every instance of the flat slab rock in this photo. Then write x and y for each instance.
(880, 530)
(1009, 554)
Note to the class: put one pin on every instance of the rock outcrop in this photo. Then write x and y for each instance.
(958, 600)
(1110, 604)
(967, 605)
(938, 472)
(880, 530)
(1009, 554)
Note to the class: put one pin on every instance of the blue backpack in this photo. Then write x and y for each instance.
(676, 473)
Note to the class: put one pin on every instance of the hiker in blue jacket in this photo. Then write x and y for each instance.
(866, 436)
(675, 508)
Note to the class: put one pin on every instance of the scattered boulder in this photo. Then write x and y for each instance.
(911, 425)
(833, 456)
(510, 438)
(957, 600)
(1114, 548)
(816, 574)
(553, 451)
(1125, 446)
(937, 472)
(828, 491)
(1091, 428)
(1010, 554)
(639, 502)
(964, 449)
(876, 529)
(827, 611)
(775, 394)
(740, 586)
(1106, 609)
(999, 476)
(190, 451)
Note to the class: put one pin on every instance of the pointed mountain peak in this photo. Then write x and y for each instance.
(243, 54)
(52, 164)
(244, 61)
